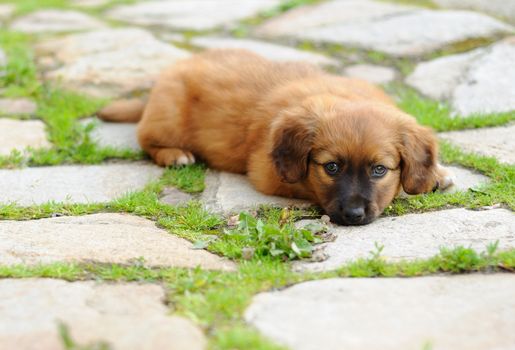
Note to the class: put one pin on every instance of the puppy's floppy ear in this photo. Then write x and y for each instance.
(292, 134)
(419, 152)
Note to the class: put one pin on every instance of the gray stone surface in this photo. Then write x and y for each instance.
(126, 316)
(6, 11)
(390, 35)
(498, 8)
(465, 179)
(55, 21)
(193, 14)
(371, 73)
(173, 196)
(117, 135)
(3, 60)
(17, 106)
(438, 78)
(415, 236)
(74, 184)
(480, 81)
(498, 142)
(230, 193)
(473, 312)
(20, 134)
(378, 26)
(329, 13)
(105, 238)
(107, 63)
(268, 50)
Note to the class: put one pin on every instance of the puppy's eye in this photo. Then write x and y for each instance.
(379, 171)
(331, 168)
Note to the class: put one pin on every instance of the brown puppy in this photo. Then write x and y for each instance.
(295, 130)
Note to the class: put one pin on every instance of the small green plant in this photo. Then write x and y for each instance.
(284, 242)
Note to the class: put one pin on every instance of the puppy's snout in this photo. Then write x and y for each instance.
(354, 215)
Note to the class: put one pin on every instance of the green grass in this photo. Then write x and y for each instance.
(26, 6)
(189, 179)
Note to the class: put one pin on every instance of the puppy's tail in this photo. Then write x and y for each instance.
(123, 111)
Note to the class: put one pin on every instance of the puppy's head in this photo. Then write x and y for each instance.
(353, 157)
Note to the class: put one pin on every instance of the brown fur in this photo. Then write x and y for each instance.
(279, 123)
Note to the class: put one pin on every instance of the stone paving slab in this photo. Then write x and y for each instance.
(106, 63)
(389, 34)
(498, 8)
(329, 13)
(6, 12)
(377, 26)
(17, 106)
(372, 73)
(232, 193)
(20, 134)
(474, 312)
(55, 21)
(465, 179)
(105, 238)
(268, 50)
(116, 135)
(3, 60)
(126, 316)
(479, 81)
(416, 236)
(498, 142)
(74, 184)
(191, 15)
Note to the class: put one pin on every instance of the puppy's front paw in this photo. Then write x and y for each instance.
(173, 156)
(445, 178)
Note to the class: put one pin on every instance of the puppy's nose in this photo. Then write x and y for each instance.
(354, 215)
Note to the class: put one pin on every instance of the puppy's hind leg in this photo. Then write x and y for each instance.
(160, 131)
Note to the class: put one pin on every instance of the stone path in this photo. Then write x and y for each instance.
(458, 312)
(55, 21)
(232, 193)
(412, 237)
(380, 26)
(497, 8)
(17, 106)
(372, 73)
(125, 316)
(96, 63)
(193, 15)
(118, 51)
(20, 134)
(494, 142)
(116, 135)
(479, 81)
(107, 238)
(74, 184)
(270, 51)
